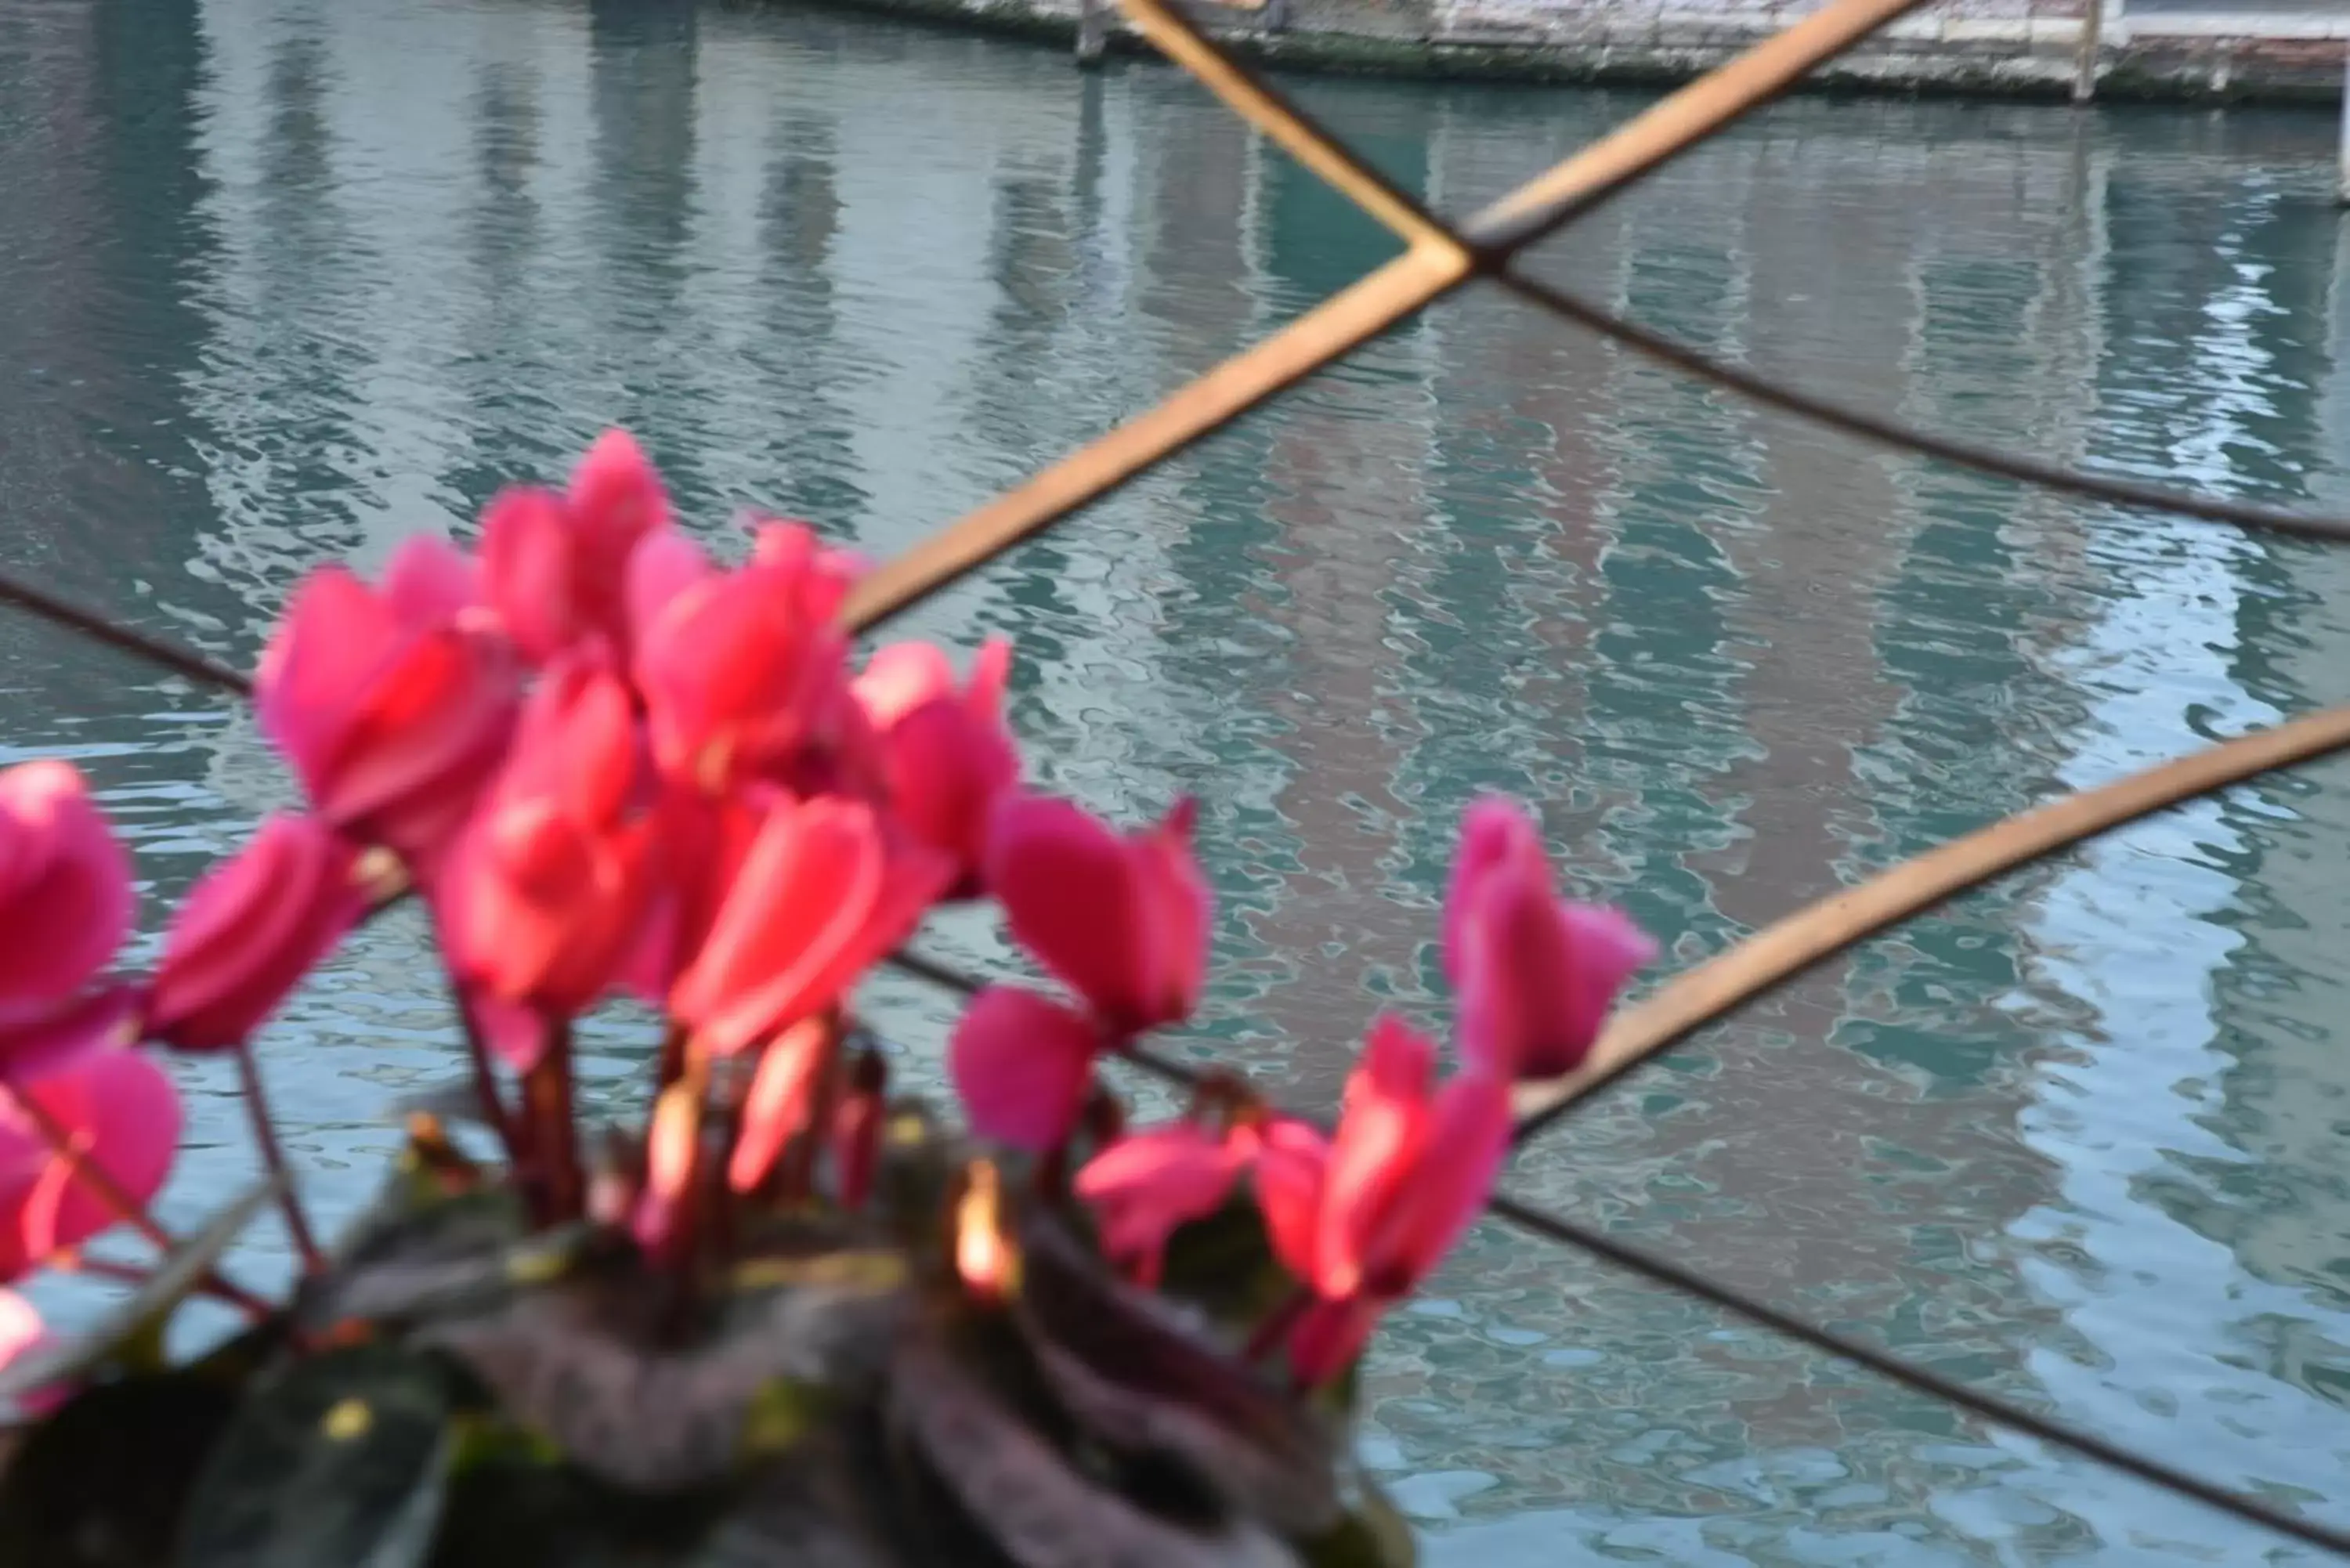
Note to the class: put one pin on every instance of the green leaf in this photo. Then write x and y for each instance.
(1371, 1534)
(803, 1512)
(513, 1505)
(1136, 1376)
(130, 1337)
(103, 1483)
(442, 1256)
(1224, 1265)
(1028, 1496)
(580, 1364)
(338, 1459)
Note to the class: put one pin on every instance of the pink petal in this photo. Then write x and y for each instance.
(899, 678)
(1175, 893)
(1068, 885)
(664, 564)
(1022, 1064)
(123, 1113)
(615, 498)
(430, 582)
(1326, 1340)
(945, 771)
(67, 907)
(820, 896)
(1468, 1135)
(1494, 832)
(1148, 1184)
(1380, 1135)
(514, 1033)
(1539, 976)
(1291, 1162)
(527, 569)
(251, 929)
(776, 1108)
(334, 636)
(34, 1044)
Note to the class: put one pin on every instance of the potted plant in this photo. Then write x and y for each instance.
(784, 1316)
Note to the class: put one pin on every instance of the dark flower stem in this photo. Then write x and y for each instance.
(273, 1158)
(1277, 1325)
(128, 1210)
(797, 1174)
(105, 1269)
(554, 1136)
(485, 1083)
(670, 1064)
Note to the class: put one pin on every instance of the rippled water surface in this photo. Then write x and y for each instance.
(282, 280)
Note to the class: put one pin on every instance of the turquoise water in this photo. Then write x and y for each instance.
(280, 282)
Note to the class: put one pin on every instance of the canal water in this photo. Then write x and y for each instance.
(282, 281)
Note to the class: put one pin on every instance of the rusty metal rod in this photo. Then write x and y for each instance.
(1248, 94)
(1788, 947)
(1431, 268)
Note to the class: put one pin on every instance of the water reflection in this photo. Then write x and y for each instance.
(285, 281)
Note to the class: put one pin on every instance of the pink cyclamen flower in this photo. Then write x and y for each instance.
(251, 928)
(1150, 1184)
(1121, 920)
(1365, 1218)
(555, 566)
(1536, 973)
(64, 890)
(393, 703)
(739, 670)
(547, 889)
(1021, 1065)
(945, 755)
(121, 1114)
(824, 889)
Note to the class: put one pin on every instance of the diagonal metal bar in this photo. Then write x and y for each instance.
(86, 622)
(1351, 317)
(1249, 95)
(1919, 1379)
(1781, 952)
(1647, 1265)
(1888, 432)
(1356, 315)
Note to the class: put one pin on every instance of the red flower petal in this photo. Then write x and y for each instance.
(1022, 1064)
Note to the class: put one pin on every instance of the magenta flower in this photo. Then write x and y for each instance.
(823, 890)
(1365, 1218)
(555, 567)
(1122, 921)
(121, 1114)
(547, 889)
(392, 703)
(739, 670)
(1150, 1184)
(945, 757)
(782, 1094)
(1536, 975)
(1021, 1065)
(251, 929)
(64, 890)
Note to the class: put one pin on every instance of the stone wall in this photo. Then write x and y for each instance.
(2187, 49)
